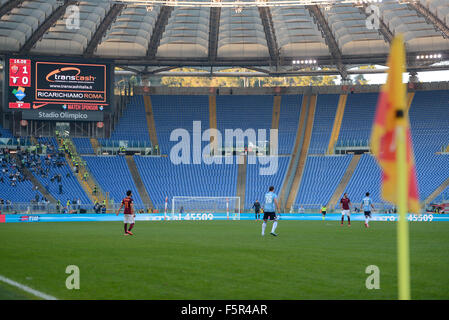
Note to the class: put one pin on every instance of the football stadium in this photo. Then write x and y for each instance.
(224, 150)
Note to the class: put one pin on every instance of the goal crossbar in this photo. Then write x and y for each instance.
(213, 204)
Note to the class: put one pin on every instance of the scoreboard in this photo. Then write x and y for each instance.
(58, 89)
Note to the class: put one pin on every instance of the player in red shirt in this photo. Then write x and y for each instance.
(345, 204)
(129, 214)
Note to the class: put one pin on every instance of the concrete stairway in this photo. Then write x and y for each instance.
(88, 185)
(241, 180)
(304, 151)
(138, 181)
(285, 190)
(344, 182)
(437, 191)
(337, 123)
(150, 121)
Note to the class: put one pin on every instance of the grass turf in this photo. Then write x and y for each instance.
(220, 260)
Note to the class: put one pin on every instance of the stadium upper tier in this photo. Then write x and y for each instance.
(254, 36)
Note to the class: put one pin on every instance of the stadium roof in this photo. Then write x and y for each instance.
(266, 36)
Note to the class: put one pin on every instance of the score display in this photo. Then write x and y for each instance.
(52, 90)
(19, 79)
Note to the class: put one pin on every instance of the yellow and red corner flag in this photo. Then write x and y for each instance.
(391, 143)
(391, 114)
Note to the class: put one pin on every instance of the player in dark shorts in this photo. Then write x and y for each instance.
(270, 206)
(256, 207)
(367, 205)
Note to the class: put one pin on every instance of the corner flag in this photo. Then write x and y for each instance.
(392, 146)
(391, 115)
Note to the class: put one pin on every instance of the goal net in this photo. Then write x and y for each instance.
(224, 205)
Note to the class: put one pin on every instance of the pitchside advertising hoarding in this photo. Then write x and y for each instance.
(60, 90)
(10, 218)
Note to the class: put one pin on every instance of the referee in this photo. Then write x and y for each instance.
(256, 207)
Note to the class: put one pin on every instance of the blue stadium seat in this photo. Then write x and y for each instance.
(178, 111)
(257, 185)
(321, 176)
(326, 108)
(114, 177)
(162, 178)
(83, 145)
(288, 122)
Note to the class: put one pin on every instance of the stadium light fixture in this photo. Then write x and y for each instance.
(429, 56)
(239, 8)
(307, 61)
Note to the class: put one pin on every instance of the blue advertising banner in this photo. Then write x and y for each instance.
(11, 218)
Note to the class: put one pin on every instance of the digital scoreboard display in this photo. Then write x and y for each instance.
(58, 90)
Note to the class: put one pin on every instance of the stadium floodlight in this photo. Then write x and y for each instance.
(207, 205)
(239, 8)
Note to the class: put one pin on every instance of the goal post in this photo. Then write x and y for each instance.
(220, 205)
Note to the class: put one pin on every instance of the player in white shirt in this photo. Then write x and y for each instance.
(269, 209)
(367, 204)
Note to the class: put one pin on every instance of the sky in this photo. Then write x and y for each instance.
(428, 76)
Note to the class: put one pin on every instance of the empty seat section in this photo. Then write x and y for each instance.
(358, 119)
(429, 121)
(288, 122)
(322, 174)
(178, 112)
(366, 178)
(326, 108)
(114, 177)
(257, 183)
(245, 112)
(132, 125)
(163, 179)
(83, 145)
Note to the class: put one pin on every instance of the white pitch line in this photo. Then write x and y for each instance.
(27, 289)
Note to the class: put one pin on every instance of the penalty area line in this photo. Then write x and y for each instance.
(27, 289)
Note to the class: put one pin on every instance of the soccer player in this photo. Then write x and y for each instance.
(256, 207)
(270, 206)
(129, 214)
(345, 204)
(366, 206)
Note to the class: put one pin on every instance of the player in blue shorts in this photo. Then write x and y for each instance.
(269, 209)
(367, 204)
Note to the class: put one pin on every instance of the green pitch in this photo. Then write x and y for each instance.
(220, 260)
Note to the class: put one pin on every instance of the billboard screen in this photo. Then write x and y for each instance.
(58, 90)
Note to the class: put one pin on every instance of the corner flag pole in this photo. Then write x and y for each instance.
(402, 227)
